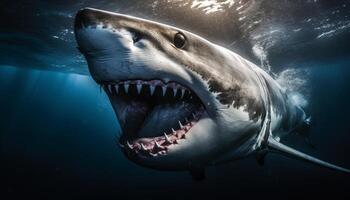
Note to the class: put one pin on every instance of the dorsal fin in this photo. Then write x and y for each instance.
(281, 148)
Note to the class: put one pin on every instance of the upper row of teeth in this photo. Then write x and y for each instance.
(152, 85)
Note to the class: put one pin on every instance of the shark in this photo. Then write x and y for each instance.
(183, 102)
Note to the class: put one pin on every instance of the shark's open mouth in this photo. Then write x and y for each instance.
(153, 115)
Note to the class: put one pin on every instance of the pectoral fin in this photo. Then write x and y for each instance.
(288, 151)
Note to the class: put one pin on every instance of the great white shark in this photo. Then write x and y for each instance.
(184, 103)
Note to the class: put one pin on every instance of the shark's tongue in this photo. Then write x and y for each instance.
(131, 114)
(164, 117)
(140, 118)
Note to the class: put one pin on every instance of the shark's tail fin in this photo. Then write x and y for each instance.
(288, 151)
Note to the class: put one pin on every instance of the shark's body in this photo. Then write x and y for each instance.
(183, 102)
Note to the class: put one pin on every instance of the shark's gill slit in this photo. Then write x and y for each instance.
(139, 103)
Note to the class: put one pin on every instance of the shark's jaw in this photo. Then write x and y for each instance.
(154, 115)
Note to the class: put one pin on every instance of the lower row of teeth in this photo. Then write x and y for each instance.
(159, 145)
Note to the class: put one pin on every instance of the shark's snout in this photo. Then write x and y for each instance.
(105, 43)
(95, 31)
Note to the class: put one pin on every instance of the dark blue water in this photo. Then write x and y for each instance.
(58, 131)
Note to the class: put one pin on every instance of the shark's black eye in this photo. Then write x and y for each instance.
(179, 40)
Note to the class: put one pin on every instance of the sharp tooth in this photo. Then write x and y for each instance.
(164, 90)
(139, 87)
(110, 88)
(116, 88)
(182, 93)
(152, 88)
(157, 144)
(193, 115)
(167, 138)
(129, 145)
(126, 87)
(180, 125)
(121, 145)
(143, 147)
(152, 154)
(175, 90)
(186, 120)
(173, 130)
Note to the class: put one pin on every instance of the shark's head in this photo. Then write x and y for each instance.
(179, 98)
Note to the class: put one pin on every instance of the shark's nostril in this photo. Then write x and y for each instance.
(83, 18)
(136, 36)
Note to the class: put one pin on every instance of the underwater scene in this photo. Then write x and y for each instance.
(182, 99)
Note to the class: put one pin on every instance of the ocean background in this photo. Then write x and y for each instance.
(57, 129)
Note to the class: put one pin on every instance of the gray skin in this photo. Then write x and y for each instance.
(244, 106)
